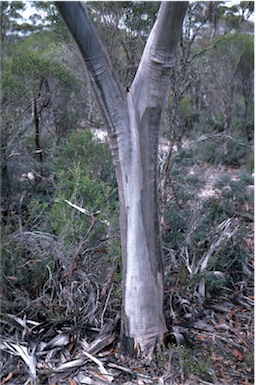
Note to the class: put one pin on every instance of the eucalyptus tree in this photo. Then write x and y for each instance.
(13, 25)
(10, 13)
(132, 117)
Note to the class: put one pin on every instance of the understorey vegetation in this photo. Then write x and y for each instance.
(61, 252)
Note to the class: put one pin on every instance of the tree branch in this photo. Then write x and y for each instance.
(153, 75)
(110, 94)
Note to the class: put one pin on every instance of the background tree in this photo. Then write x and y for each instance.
(123, 30)
(197, 97)
(10, 13)
(30, 80)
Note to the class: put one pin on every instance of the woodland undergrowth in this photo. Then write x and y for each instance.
(61, 281)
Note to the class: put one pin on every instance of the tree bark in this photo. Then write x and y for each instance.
(133, 120)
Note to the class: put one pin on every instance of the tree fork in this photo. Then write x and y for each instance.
(133, 123)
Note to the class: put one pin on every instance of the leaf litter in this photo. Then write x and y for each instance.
(52, 353)
(208, 342)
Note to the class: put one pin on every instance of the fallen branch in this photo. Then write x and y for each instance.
(103, 371)
(84, 211)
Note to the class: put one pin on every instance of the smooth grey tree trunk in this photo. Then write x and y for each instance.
(133, 120)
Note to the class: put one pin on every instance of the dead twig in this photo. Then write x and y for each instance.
(105, 306)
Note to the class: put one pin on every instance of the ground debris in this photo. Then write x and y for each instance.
(212, 345)
(221, 339)
(208, 343)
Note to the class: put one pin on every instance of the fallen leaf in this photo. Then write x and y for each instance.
(7, 378)
(238, 354)
(200, 337)
(240, 341)
(71, 382)
(230, 314)
(215, 357)
(249, 242)
(138, 370)
(220, 365)
(105, 377)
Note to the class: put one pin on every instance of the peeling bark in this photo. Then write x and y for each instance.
(133, 120)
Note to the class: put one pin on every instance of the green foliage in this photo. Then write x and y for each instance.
(123, 28)
(93, 156)
(26, 269)
(186, 107)
(238, 13)
(11, 12)
(58, 231)
(230, 152)
(236, 153)
(29, 66)
(75, 186)
(23, 72)
(192, 362)
(240, 47)
(194, 222)
(237, 190)
(215, 284)
(184, 187)
(79, 183)
(245, 178)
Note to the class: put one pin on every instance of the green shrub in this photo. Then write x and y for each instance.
(249, 164)
(84, 176)
(245, 178)
(191, 362)
(27, 261)
(236, 153)
(227, 151)
(93, 157)
(240, 189)
(75, 186)
(194, 226)
(60, 234)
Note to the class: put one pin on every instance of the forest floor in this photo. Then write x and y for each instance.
(217, 348)
(213, 346)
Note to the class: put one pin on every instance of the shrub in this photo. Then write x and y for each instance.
(61, 237)
(94, 157)
(197, 227)
(236, 153)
